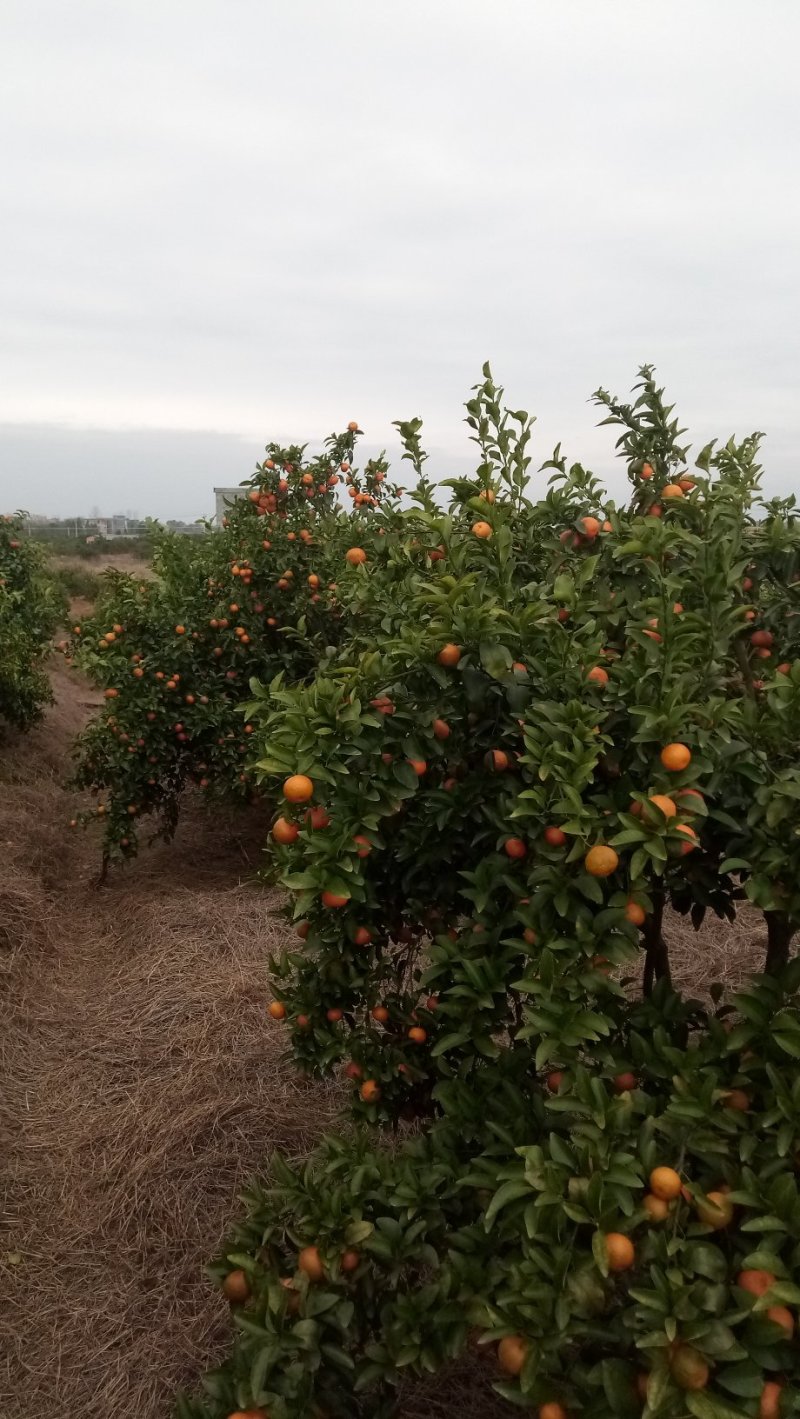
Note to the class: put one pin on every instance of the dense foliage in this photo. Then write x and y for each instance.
(507, 737)
(30, 609)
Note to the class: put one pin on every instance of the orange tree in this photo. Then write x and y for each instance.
(174, 654)
(527, 747)
(31, 607)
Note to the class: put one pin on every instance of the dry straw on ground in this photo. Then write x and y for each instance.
(142, 1085)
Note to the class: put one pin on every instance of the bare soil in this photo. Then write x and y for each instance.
(143, 1084)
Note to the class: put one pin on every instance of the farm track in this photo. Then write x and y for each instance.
(141, 1086)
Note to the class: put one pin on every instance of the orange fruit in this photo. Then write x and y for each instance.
(515, 848)
(672, 490)
(737, 1100)
(619, 1251)
(757, 1282)
(318, 818)
(353, 1070)
(441, 729)
(298, 788)
(362, 936)
(352, 427)
(449, 654)
(482, 530)
(552, 1410)
(654, 511)
(332, 899)
(249, 1414)
(624, 1082)
(666, 804)
(370, 1091)
(647, 472)
(770, 1402)
(555, 837)
(690, 836)
(655, 1207)
(277, 1010)
(597, 675)
(716, 1211)
(601, 861)
(334, 1014)
(283, 831)
(635, 914)
(782, 1316)
(236, 1287)
(496, 760)
(310, 1263)
(512, 1352)
(590, 526)
(349, 1261)
(487, 495)
(356, 556)
(676, 757)
(417, 1035)
(688, 1368)
(554, 1080)
(665, 1183)
(381, 1014)
(419, 766)
(364, 845)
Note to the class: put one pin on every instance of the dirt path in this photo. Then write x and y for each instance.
(142, 1084)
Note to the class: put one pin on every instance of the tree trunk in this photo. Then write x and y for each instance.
(656, 961)
(779, 936)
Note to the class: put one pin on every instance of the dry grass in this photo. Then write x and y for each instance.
(142, 1085)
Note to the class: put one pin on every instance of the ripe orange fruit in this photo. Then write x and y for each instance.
(449, 654)
(666, 804)
(362, 936)
(512, 1352)
(624, 1082)
(554, 1080)
(782, 1316)
(737, 1100)
(601, 861)
(381, 1014)
(332, 899)
(334, 1014)
(482, 530)
(762, 638)
(283, 831)
(364, 845)
(672, 490)
(676, 757)
(552, 1410)
(688, 1368)
(277, 1010)
(441, 729)
(496, 761)
(597, 675)
(180, 630)
(619, 1251)
(655, 1207)
(590, 526)
(310, 1263)
(555, 837)
(654, 511)
(770, 1402)
(417, 1035)
(349, 1261)
(419, 766)
(355, 556)
(487, 495)
(647, 472)
(716, 1211)
(303, 1022)
(298, 788)
(353, 1070)
(352, 427)
(370, 1091)
(249, 1414)
(236, 1287)
(318, 818)
(757, 1282)
(665, 1183)
(515, 848)
(635, 914)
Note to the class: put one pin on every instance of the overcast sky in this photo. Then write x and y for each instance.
(226, 221)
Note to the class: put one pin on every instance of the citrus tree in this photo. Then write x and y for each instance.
(175, 653)
(549, 721)
(31, 607)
